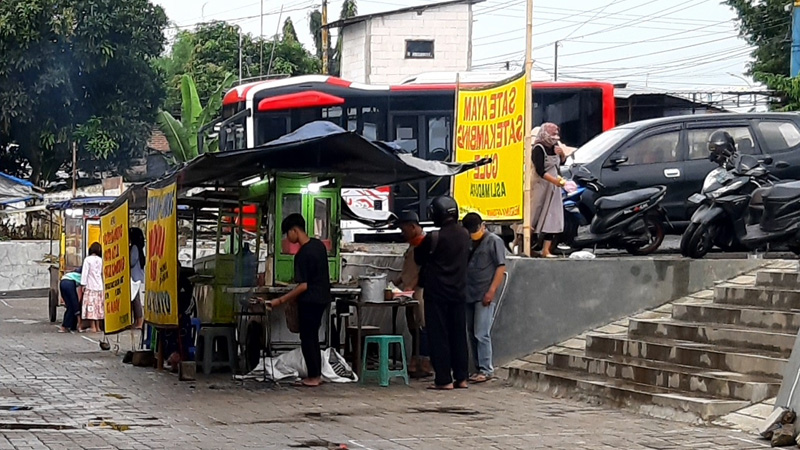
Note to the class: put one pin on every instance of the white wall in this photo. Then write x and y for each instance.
(373, 51)
(22, 266)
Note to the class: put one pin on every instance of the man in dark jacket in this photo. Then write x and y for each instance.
(443, 257)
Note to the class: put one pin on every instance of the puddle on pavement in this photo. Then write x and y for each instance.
(317, 443)
(117, 396)
(324, 415)
(15, 408)
(18, 426)
(455, 410)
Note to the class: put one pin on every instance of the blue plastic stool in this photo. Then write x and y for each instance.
(383, 374)
(193, 348)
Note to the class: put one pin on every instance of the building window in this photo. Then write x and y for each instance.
(419, 49)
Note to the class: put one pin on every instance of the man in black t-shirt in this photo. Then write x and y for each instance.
(443, 257)
(313, 292)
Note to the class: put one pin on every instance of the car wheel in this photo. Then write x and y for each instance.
(655, 231)
(52, 305)
(699, 242)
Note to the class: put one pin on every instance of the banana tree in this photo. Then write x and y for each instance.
(182, 135)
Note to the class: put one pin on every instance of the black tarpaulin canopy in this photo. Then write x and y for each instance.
(318, 149)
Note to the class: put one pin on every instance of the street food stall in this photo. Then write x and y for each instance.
(78, 220)
(249, 192)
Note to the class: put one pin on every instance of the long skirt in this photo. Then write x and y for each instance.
(93, 308)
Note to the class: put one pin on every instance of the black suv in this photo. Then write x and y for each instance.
(673, 151)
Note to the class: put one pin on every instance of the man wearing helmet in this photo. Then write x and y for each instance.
(721, 146)
(443, 257)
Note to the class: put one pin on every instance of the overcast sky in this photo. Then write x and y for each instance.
(674, 45)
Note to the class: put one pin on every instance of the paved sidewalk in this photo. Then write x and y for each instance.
(81, 397)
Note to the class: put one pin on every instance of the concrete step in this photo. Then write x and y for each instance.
(650, 400)
(730, 336)
(789, 279)
(740, 315)
(694, 354)
(760, 296)
(691, 380)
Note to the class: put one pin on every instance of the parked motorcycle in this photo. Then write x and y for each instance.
(634, 220)
(732, 208)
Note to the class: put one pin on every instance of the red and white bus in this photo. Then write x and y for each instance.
(417, 114)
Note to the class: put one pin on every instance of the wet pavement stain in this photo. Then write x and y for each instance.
(15, 408)
(452, 410)
(317, 443)
(20, 426)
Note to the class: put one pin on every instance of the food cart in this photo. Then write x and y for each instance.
(249, 192)
(79, 224)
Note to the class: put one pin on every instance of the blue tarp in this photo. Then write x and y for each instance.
(13, 189)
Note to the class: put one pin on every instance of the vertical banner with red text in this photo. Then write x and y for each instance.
(490, 124)
(161, 277)
(116, 269)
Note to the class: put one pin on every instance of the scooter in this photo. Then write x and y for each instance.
(631, 220)
(730, 203)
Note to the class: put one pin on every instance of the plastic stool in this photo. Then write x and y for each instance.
(383, 374)
(196, 325)
(211, 354)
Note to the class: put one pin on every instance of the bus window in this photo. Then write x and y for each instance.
(271, 127)
(333, 114)
(367, 121)
(578, 113)
(440, 139)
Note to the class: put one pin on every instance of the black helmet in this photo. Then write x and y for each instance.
(721, 146)
(443, 208)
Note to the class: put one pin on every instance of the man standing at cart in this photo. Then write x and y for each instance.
(312, 294)
(408, 280)
(443, 256)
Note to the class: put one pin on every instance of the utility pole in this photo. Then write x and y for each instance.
(325, 37)
(261, 40)
(795, 39)
(74, 169)
(555, 63)
(240, 55)
(528, 173)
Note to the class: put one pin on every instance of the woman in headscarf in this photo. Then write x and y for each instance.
(546, 206)
(137, 260)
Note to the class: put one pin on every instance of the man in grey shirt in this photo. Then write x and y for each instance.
(485, 273)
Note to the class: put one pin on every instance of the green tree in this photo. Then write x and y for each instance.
(77, 71)
(289, 32)
(215, 55)
(766, 25)
(349, 10)
(183, 135)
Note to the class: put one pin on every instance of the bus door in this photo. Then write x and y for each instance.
(428, 136)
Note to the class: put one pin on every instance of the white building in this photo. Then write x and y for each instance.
(387, 47)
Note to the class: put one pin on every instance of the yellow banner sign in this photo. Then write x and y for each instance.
(490, 123)
(116, 269)
(161, 281)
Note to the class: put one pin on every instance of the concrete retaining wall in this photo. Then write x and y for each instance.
(548, 301)
(22, 267)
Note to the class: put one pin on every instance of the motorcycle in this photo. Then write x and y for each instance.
(633, 220)
(732, 207)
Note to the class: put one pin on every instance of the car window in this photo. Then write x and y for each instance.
(658, 148)
(595, 148)
(698, 141)
(779, 136)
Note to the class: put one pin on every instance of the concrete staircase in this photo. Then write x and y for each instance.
(696, 359)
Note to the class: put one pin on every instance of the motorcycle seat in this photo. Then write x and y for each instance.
(626, 199)
(783, 191)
